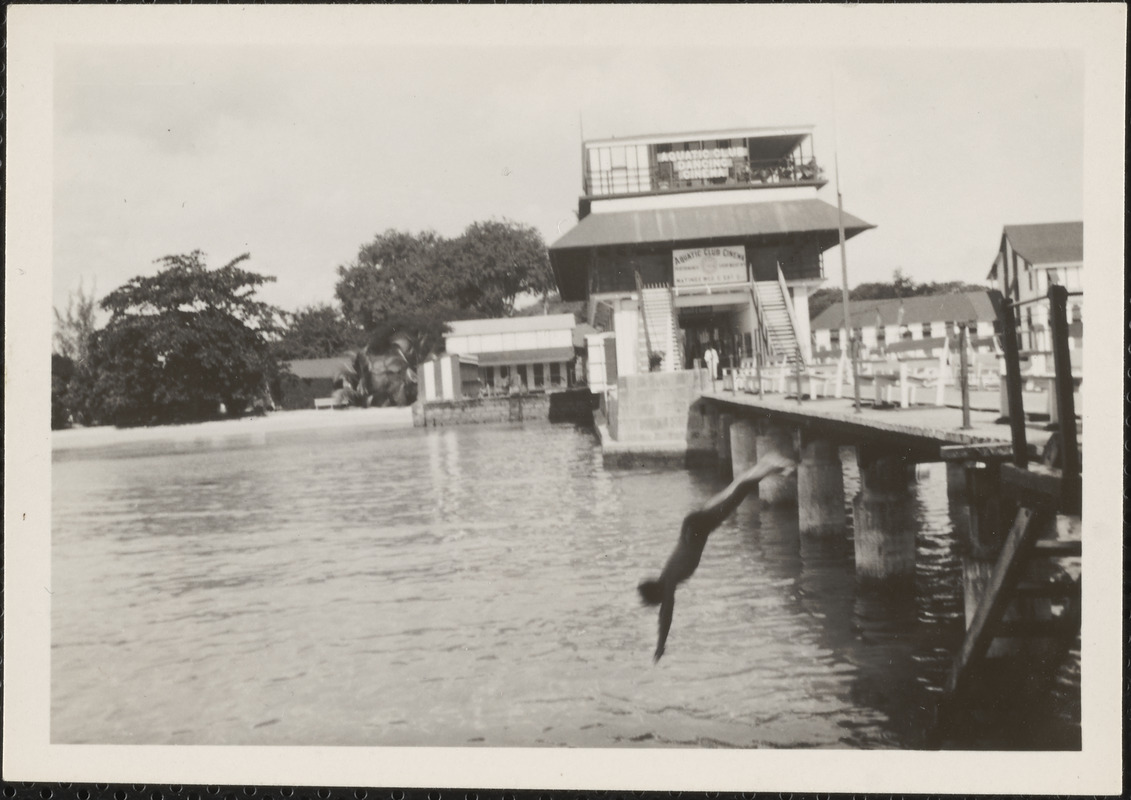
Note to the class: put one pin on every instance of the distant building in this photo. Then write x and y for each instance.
(882, 322)
(697, 239)
(536, 352)
(1030, 258)
(310, 379)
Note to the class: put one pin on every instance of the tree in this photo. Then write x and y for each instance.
(497, 261)
(183, 341)
(426, 280)
(74, 329)
(71, 374)
(317, 331)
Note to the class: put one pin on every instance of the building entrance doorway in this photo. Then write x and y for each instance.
(701, 327)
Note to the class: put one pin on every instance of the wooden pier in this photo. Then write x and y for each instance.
(1008, 480)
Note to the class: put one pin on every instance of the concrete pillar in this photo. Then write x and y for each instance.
(722, 444)
(820, 487)
(743, 450)
(773, 438)
(884, 519)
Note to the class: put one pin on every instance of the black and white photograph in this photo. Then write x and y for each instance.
(684, 397)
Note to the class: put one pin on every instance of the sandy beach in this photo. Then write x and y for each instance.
(306, 419)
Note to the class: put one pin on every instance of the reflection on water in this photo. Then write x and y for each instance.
(464, 586)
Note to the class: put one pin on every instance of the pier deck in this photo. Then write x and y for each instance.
(922, 430)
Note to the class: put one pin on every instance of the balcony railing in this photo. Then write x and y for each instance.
(667, 177)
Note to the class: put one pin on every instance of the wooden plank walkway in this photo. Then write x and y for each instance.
(924, 430)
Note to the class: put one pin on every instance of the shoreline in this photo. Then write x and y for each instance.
(211, 430)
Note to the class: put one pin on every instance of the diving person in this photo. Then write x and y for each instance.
(697, 526)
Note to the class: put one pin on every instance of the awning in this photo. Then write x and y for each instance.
(706, 223)
(547, 355)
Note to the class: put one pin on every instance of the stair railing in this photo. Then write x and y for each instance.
(762, 344)
(789, 309)
(644, 317)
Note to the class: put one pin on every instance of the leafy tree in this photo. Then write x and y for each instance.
(183, 341)
(497, 261)
(415, 282)
(72, 376)
(75, 327)
(317, 331)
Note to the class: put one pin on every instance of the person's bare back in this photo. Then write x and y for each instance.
(697, 526)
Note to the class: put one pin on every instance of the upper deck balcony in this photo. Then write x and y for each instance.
(745, 159)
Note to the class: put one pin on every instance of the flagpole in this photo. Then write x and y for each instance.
(849, 336)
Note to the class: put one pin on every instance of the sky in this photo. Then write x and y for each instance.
(301, 153)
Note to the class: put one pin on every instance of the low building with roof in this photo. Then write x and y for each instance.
(309, 380)
(1030, 258)
(536, 352)
(882, 322)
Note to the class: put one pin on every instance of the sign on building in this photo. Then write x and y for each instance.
(709, 265)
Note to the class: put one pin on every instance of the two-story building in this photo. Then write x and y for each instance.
(1032, 257)
(697, 239)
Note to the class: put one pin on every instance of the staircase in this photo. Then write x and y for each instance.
(777, 310)
(658, 329)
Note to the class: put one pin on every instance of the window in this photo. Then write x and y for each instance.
(834, 337)
(521, 369)
(949, 330)
(926, 330)
(555, 373)
(538, 375)
(1077, 313)
(504, 372)
(489, 376)
(881, 335)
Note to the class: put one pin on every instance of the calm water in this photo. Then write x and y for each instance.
(466, 586)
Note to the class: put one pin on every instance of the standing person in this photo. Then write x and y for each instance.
(711, 361)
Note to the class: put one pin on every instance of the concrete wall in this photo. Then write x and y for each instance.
(574, 406)
(481, 411)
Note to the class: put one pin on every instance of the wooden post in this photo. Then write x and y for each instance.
(1065, 387)
(1012, 377)
(797, 375)
(758, 369)
(964, 378)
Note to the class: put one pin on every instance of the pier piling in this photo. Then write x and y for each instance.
(773, 438)
(820, 487)
(884, 521)
(722, 444)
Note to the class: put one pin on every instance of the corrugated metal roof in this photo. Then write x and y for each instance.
(543, 322)
(1048, 243)
(318, 367)
(733, 221)
(954, 307)
(547, 355)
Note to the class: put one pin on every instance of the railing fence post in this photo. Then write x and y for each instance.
(1065, 384)
(964, 379)
(1012, 377)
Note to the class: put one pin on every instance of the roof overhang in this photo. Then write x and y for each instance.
(547, 355)
(693, 226)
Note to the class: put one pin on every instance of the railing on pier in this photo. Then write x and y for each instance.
(1063, 383)
(1038, 492)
